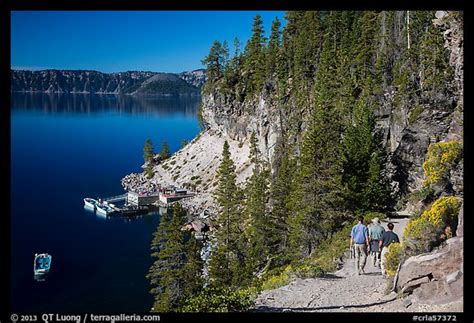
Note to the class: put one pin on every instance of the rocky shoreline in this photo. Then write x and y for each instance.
(194, 167)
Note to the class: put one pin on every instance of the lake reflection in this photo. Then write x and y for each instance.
(85, 103)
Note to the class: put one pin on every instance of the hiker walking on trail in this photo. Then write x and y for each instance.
(360, 241)
(388, 238)
(375, 234)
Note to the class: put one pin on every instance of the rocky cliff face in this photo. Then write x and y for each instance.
(93, 82)
(238, 120)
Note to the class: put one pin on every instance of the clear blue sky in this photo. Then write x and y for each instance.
(113, 41)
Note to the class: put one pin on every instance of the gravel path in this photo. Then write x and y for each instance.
(342, 291)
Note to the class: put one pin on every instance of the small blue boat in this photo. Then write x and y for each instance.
(42, 265)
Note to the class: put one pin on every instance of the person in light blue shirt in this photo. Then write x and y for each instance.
(360, 242)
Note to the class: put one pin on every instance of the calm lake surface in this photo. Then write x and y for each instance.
(65, 148)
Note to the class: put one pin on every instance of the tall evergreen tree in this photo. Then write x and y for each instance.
(280, 193)
(192, 273)
(256, 210)
(165, 151)
(255, 57)
(366, 187)
(166, 273)
(227, 256)
(274, 44)
(307, 42)
(316, 202)
(148, 155)
(232, 68)
(215, 61)
(148, 151)
(434, 62)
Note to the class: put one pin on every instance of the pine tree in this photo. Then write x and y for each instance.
(157, 245)
(274, 44)
(165, 151)
(166, 273)
(192, 274)
(363, 159)
(215, 61)
(254, 66)
(148, 156)
(256, 211)
(176, 274)
(434, 62)
(307, 43)
(316, 202)
(227, 256)
(280, 193)
(232, 68)
(148, 151)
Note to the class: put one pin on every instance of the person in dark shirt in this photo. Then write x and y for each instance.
(388, 238)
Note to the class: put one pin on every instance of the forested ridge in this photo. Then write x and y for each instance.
(327, 75)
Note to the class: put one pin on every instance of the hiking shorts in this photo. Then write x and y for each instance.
(374, 246)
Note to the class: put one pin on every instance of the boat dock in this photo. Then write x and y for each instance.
(136, 203)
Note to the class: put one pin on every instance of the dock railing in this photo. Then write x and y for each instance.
(116, 198)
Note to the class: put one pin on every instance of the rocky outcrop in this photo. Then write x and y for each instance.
(94, 82)
(436, 277)
(238, 120)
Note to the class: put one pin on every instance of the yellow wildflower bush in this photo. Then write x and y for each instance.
(441, 157)
(395, 254)
(443, 210)
(425, 232)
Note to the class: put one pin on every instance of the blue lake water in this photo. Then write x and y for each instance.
(65, 148)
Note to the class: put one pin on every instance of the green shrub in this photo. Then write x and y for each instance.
(441, 158)
(223, 299)
(277, 278)
(424, 194)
